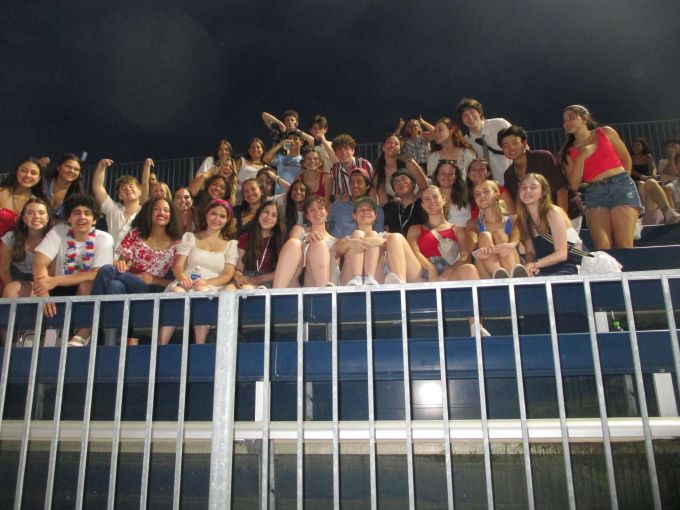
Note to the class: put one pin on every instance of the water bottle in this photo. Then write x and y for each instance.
(615, 324)
(195, 274)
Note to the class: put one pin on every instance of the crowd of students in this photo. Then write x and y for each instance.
(437, 205)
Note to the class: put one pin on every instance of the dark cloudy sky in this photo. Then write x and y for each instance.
(127, 79)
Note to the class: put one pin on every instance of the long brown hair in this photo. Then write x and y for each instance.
(545, 205)
(21, 230)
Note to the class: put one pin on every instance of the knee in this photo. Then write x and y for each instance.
(468, 272)
(12, 289)
(357, 234)
(500, 237)
(485, 239)
(115, 287)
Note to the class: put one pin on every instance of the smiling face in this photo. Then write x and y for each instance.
(316, 212)
(513, 147)
(28, 174)
(290, 121)
(432, 200)
(402, 185)
(183, 200)
(486, 194)
(35, 216)
(345, 153)
(311, 161)
(128, 191)
(160, 214)
(357, 185)
(446, 175)
(223, 151)
(442, 132)
(472, 120)
(269, 217)
(413, 129)
(226, 167)
(216, 218)
(255, 150)
(478, 171)
(298, 192)
(81, 220)
(69, 170)
(573, 121)
(530, 190)
(217, 189)
(391, 147)
(364, 214)
(251, 192)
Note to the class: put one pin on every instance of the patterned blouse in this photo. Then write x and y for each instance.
(145, 259)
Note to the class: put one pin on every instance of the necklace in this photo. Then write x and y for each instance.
(403, 222)
(260, 263)
(71, 264)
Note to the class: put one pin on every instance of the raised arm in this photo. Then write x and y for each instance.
(146, 175)
(574, 169)
(417, 173)
(269, 119)
(269, 156)
(400, 126)
(98, 188)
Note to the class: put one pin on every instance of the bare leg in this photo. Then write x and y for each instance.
(289, 264)
(510, 260)
(372, 256)
(201, 333)
(401, 259)
(600, 225)
(355, 258)
(16, 288)
(490, 264)
(623, 219)
(167, 331)
(462, 272)
(318, 263)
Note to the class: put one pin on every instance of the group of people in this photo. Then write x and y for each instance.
(437, 205)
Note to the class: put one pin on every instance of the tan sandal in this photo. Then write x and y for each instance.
(79, 341)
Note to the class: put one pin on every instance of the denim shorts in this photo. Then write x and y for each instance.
(611, 192)
(439, 263)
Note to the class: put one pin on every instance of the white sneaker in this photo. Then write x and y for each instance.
(355, 281)
(392, 279)
(519, 271)
(671, 216)
(369, 280)
(500, 273)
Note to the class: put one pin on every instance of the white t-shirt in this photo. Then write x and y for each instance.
(54, 247)
(499, 163)
(465, 158)
(26, 265)
(207, 164)
(118, 225)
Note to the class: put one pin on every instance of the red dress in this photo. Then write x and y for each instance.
(8, 219)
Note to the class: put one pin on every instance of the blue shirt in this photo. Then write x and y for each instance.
(341, 222)
(288, 168)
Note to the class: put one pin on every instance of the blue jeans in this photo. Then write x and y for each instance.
(111, 281)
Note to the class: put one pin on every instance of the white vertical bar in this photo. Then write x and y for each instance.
(606, 440)
(28, 410)
(520, 396)
(482, 400)
(335, 393)
(642, 398)
(118, 412)
(222, 447)
(9, 340)
(181, 405)
(85, 435)
(266, 390)
(148, 423)
(407, 400)
(445, 397)
(672, 329)
(559, 386)
(58, 398)
(371, 402)
(299, 447)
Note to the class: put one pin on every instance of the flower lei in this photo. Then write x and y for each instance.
(70, 260)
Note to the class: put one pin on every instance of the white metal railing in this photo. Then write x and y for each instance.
(450, 312)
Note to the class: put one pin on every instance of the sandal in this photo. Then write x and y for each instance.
(79, 341)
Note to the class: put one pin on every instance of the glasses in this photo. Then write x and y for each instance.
(447, 162)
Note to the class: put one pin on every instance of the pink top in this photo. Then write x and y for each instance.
(604, 158)
(145, 259)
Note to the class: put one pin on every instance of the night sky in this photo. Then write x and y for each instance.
(130, 79)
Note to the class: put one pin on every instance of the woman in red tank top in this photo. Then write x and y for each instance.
(597, 157)
(17, 188)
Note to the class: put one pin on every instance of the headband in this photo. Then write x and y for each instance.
(221, 202)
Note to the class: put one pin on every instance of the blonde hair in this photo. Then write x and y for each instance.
(500, 203)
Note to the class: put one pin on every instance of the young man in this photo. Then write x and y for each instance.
(341, 222)
(119, 215)
(77, 250)
(344, 162)
(406, 209)
(483, 135)
(288, 166)
(319, 130)
(278, 129)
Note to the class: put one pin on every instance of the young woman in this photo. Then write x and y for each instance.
(386, 166)
(17, 188)
(597, 157)
(292, 203)
(494, 235)
(161, 190)
(311, 249)
(17, 250)
(247, 167)
(267, 180)
(145, 254)
(450, 145)
(259, 248)
(222, 150)
(416, 144)
(205, 261)
(226, 170)
(479, 170)
(318, 181)
(643, 166)
(426, 242)
(363, 250)
(65, 180)
(545, 230)
(253, 197)
(213, 188)
(449, 178)
(183, 202)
